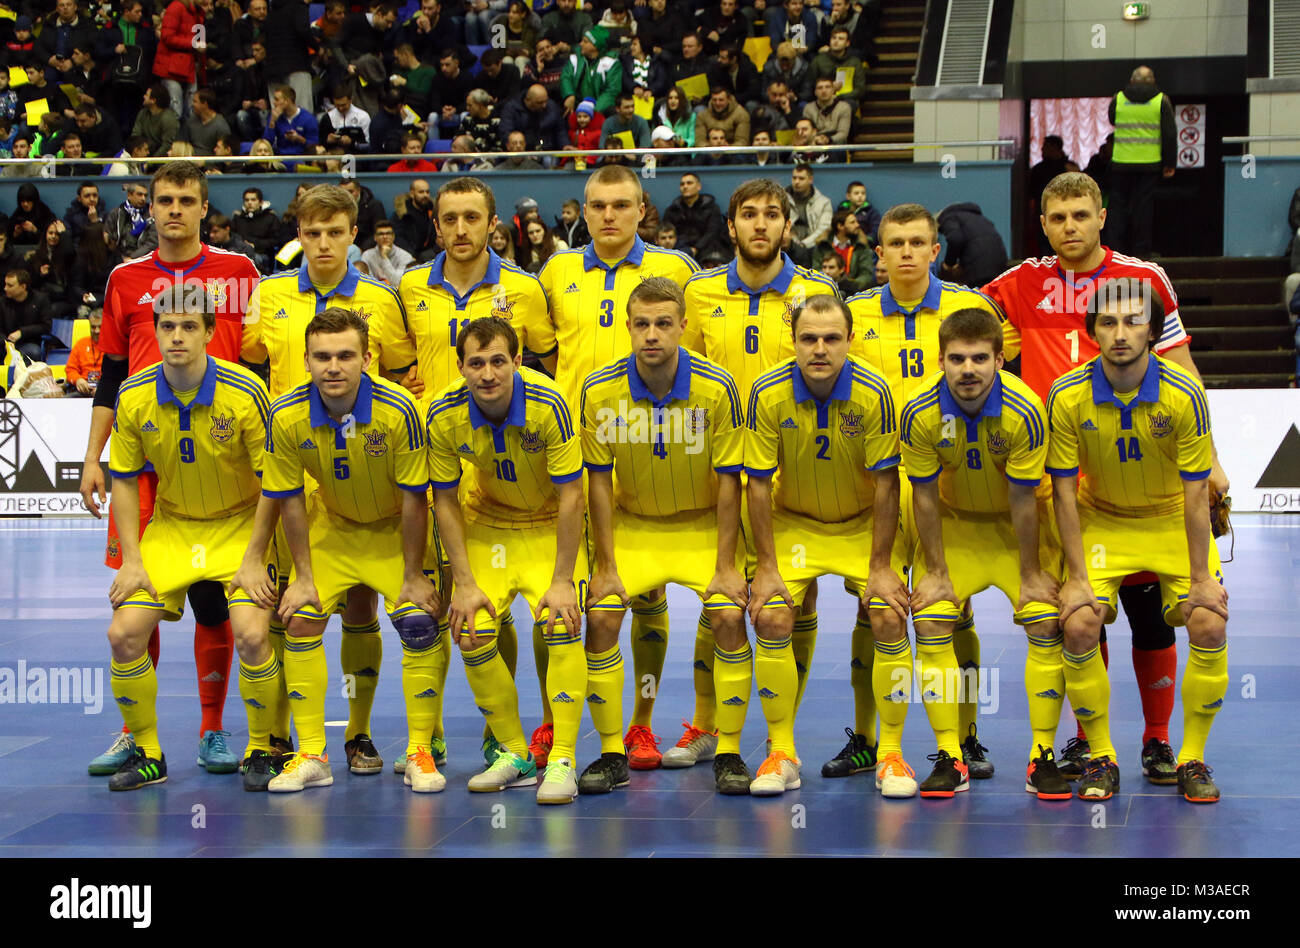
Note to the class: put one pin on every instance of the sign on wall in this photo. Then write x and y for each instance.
(1257, 434)
(1190, 121)
(42, 445)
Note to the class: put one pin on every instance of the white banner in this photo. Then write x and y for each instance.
(42, 444)
(1257, 433)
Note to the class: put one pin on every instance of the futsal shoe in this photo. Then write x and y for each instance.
(1158, 763)
(1043, 778)
(642, 748)
(111, 761)
(731, 776)
(1074, 758)
(214, 756)
(974, 756)
(363, 758)
(1100, 780)
(259, 768)
(540, 744)
(507, 770)
(140, 770)
(421, 773)
(559, 784)
(490, 748)
(950, 776)
(894, 779)
(858, 756)
(695, 746)
(1195, 783)
(605, 774)
(776, 775)
(437, 748)
(281, 746)
(302, 771)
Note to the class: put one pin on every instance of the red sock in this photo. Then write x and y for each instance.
(213, 648)
(1157, 670)
(155, 642)
(1105, 660)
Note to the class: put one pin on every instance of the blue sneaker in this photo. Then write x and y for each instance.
(214, 755)
(109, 762)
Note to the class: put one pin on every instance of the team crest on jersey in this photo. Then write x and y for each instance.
(360, 311)
(850, 424)
(502, 305)
(795, 302)
(223, 428)
(696, 420)
(114, 548)
(1161, 424)
(999, 443)
(375, 446)
(217, 293)
(531, 441)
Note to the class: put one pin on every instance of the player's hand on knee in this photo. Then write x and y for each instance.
(420, 591)
(467, 600)
(605, 583)
(931, 588)
(92, 483)
(1077, 594)
(767, 586)
(130, 578)
(254, 579)
(300, 593)
(1039, 586)
(728, 582)
(1206, 594)
(561, 600)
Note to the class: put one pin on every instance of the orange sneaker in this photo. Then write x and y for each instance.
(778, 773)
(642, 748)
(540, 744)
(894, 779)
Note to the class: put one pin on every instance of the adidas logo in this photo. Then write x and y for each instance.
(871, 334)
(652, 636)
(144, 299)
(485, 711)
(124, 700)
(423, 307)
(594, 698)
(896, 696)
(465, 449)
(716, 313)
(789, 423)
(734, 700)
(1086, 712)
(767, 693)
(571, 288)
(945, 443)
(1045, 304)
(367, 673)
(254, 703)
(1164, 682)
(280, 314)
(1049, 693)
(562, 698)
(1088, 425)
(213, 676)
(297, 695)
(700, 666)
(856, 663)
(148, 426)
(427, 693)
(1215, 705)
(308, 445)
(929, 695)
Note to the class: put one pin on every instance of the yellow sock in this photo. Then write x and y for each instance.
(421, 671)
(257, 686)
(649, 648)
(966, 646)
(864, 696)
(135, 687)
(733, 676)
(280, 710)
(1088, 686)
(605, 698)
(705, 717)
(361, 654)
(440, 679)
(495, 694)
(939, 682)
(891, 681)
(508, 646)
(307, 677)
(1045, 689)
(803, 642)
(778, 685)
(566, 683)
(541, 661)
(1205, 682)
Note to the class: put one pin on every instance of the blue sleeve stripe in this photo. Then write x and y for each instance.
(914, 408)
(559, 409)
(565, 478)
(1033, 421)
(259, 397)
(1194, 475)
(881, 388)
(414, 430)
(763, 383)
(123, 475)
(1191, 388)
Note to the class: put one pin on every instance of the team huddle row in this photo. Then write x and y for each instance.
(740, 431)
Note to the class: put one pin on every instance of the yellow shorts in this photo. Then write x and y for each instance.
(981, 551)
(179, 552)
(508, 562)
(654, 551)
(807, 549)
(1117, 546)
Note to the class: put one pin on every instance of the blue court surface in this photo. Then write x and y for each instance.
(55, 613)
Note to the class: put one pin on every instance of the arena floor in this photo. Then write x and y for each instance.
(55, 612)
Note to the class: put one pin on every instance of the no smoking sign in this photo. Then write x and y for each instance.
(1190, 121)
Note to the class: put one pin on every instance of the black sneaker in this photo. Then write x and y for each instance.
(362, 756)
(730, 775)
(260, 767)
(1044, 778)
(139, 771)
(1159, 763)
(1074, 758)
(949, 776)
(1100, 780)
(857, 757)
(973, 756)
(1195, 784)
(604, 775)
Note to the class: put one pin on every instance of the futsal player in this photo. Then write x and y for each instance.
(974, 441)
(518, 532)
(1044, 301)
(360, 439)
(898, 336)
(278, 315)
(821, 452)
(663, 442)
(178, 193)
(201, 424)
(585, 330)
(1130, 460)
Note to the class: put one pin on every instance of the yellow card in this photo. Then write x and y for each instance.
(72, 92)
(17, 77)
(845, 76)
(35, 109)
(624, 138)
(644, 107)
(695, 87)
(8, 15)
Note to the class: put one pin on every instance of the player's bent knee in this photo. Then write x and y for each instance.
(417, 629)
(208, 600)
(774, 624)
(128, 633)
(886, 626)
(1206, 629)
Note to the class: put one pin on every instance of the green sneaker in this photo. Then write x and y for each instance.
(490, 749)
(858, 756)
(438, 748)
(139, 771)
(508, 770)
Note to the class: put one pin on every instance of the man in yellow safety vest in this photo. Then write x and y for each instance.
(1145, 150)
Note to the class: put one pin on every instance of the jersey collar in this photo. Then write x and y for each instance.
(634, 256)
(207, 388)
(515, 416)
(361, 411)
(841, 391)
(780, 283)
(992, 408)
(680, 391)
(932, 299)
(491, 277)
(347, 286)
(183, 267)
(1076, 279)
(1148, 391)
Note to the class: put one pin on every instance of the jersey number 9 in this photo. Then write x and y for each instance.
(187, 450)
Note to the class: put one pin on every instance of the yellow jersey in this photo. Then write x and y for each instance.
(205, 446)
(1132, 450)
(436, 313)
(283, 304)
(361, 464)
(513, 467)
(975, 456)
(665, 453)
(587, 321)
(744, 329)
(822, 453)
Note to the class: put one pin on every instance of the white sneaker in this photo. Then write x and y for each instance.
(777, 774)
(302, 771)
(695, 746)
(507, 770)
(422, 773)
(894, 779)
(559, 784)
